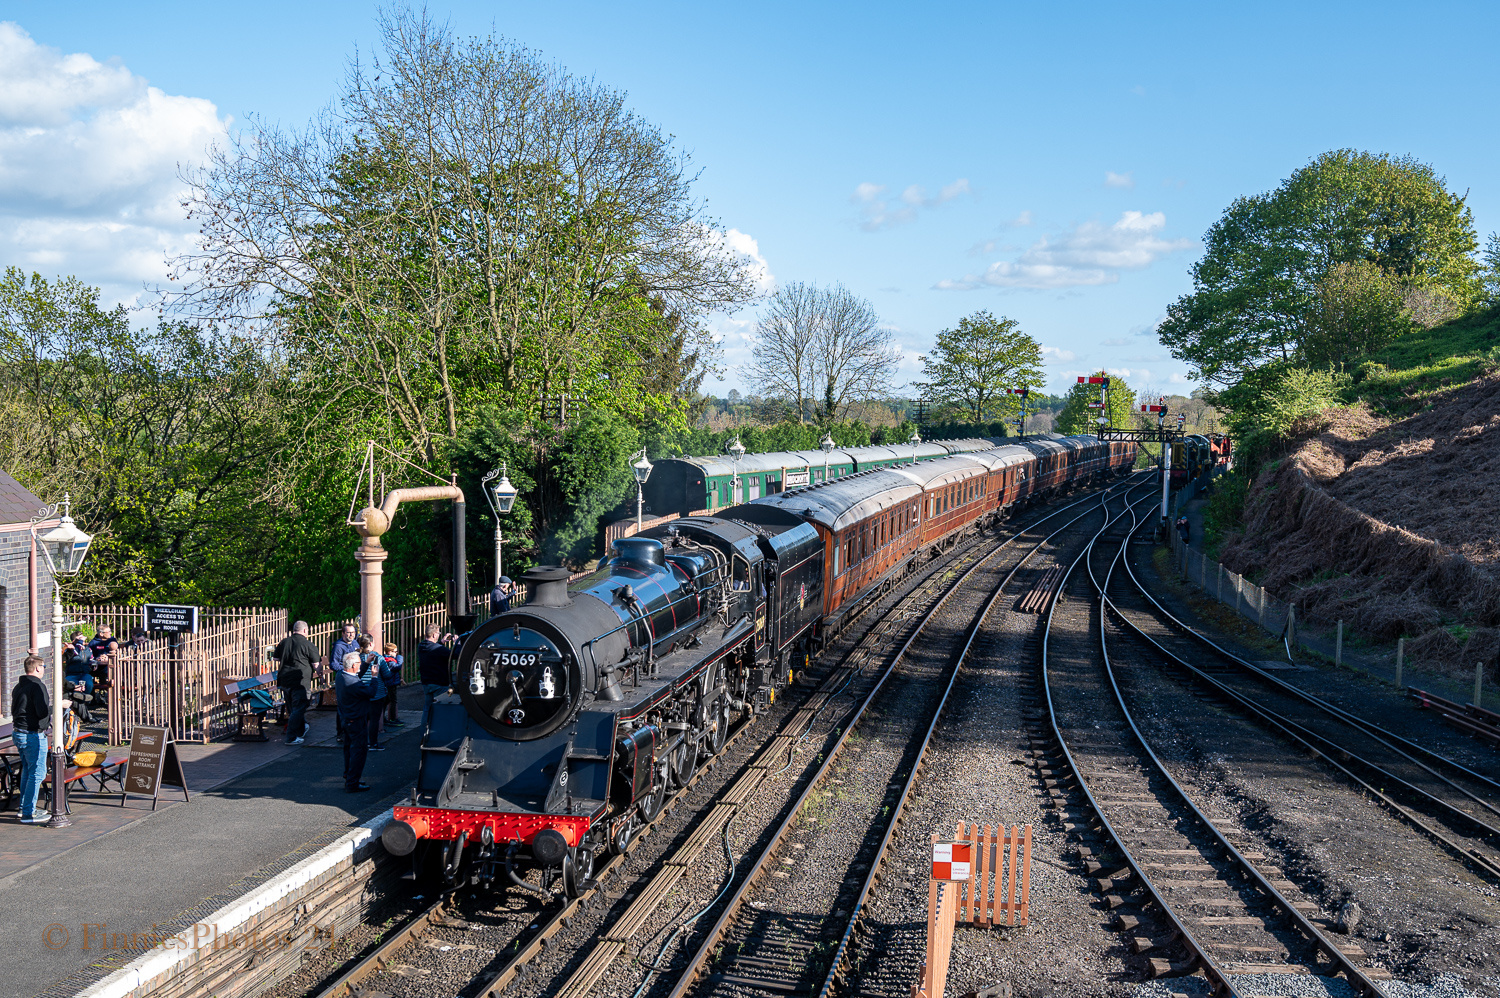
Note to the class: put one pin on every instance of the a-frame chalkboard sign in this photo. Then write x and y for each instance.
(153, 764)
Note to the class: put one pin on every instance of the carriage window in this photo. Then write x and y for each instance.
(741, 575)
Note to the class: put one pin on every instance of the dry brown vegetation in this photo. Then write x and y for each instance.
(1391, 526)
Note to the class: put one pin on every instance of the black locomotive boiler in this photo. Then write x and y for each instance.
(579, 712)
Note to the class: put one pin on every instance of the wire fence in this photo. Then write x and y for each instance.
(1248, 600)
(1462, 682)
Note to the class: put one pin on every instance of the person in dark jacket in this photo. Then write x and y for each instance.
(346, 642)
(500, 596)
(78, 663)
(1185, 529)
(434, 667)
(370, 667)
(297, 657)
(354, 710)
(31, 715)
(390, 673)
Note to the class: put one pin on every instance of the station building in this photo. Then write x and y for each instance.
(25, 586)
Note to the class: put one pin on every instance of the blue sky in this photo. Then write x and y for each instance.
(1052, 163)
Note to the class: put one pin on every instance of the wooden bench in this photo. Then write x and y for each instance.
(10, 765)
(111, 769)
(250, 720)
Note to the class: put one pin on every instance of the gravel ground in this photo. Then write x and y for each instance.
(745, 836)
(978, 770)
(1424, 913)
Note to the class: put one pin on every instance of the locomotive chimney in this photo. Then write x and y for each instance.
(546, 585)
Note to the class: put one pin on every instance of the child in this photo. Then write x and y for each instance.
(390, 672)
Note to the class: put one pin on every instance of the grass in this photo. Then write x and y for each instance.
(1402, 377)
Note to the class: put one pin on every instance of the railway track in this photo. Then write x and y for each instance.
(1188, 895)
(855, 651)
(794, 923)
(1450, 803)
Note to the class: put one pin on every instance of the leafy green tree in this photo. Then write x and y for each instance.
(1491, 273)
(1355, 310)
(1257, 285)
(164, 437)
(973, 365)
(1080, 415)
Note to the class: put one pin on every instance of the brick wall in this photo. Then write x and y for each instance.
(15, 609)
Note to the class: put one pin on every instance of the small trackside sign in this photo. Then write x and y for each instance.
(952, 860)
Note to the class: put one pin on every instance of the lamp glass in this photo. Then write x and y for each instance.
(65, 547)
(642, 469)
(737, 449)
(916, 437)
(826, 444)
(505, 494)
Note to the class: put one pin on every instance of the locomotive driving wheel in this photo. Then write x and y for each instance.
(718, 719)
(649, 806)
(682, 760)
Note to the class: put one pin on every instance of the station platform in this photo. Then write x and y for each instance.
(257, 808)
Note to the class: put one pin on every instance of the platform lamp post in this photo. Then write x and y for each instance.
(916, 438)
(502, 496)
(826, 446)
(64, 547)
(736, 452)
(642, 469)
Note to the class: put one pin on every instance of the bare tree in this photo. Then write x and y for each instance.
(819, 350)
(785, 340)
(855, 360)
(465, 218)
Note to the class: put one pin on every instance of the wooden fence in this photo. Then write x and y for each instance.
(179, 684)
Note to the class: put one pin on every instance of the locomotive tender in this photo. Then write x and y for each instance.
(579, 712)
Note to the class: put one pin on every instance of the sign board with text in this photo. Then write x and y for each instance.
(952, 860)
(167, 618)
(153, 764)
(796, 479)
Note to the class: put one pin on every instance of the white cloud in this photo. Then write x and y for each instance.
(1112, 179)
(1178, 378)
(748, 247)
(1088, 254)
(879, 212)
(1020, 220)
(89, 157)
(1058, 353)
(1117, 342)
(1139, 374)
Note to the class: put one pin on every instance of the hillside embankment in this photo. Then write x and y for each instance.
(1390, 525)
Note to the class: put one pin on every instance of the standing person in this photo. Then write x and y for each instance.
(31, 715)
(343, 644)
(370, 667)
(391, 673)
(1185, 529)
(297, 656)
(354, 711)
(435, 668)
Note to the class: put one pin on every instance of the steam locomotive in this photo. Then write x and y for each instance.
(579, 712)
